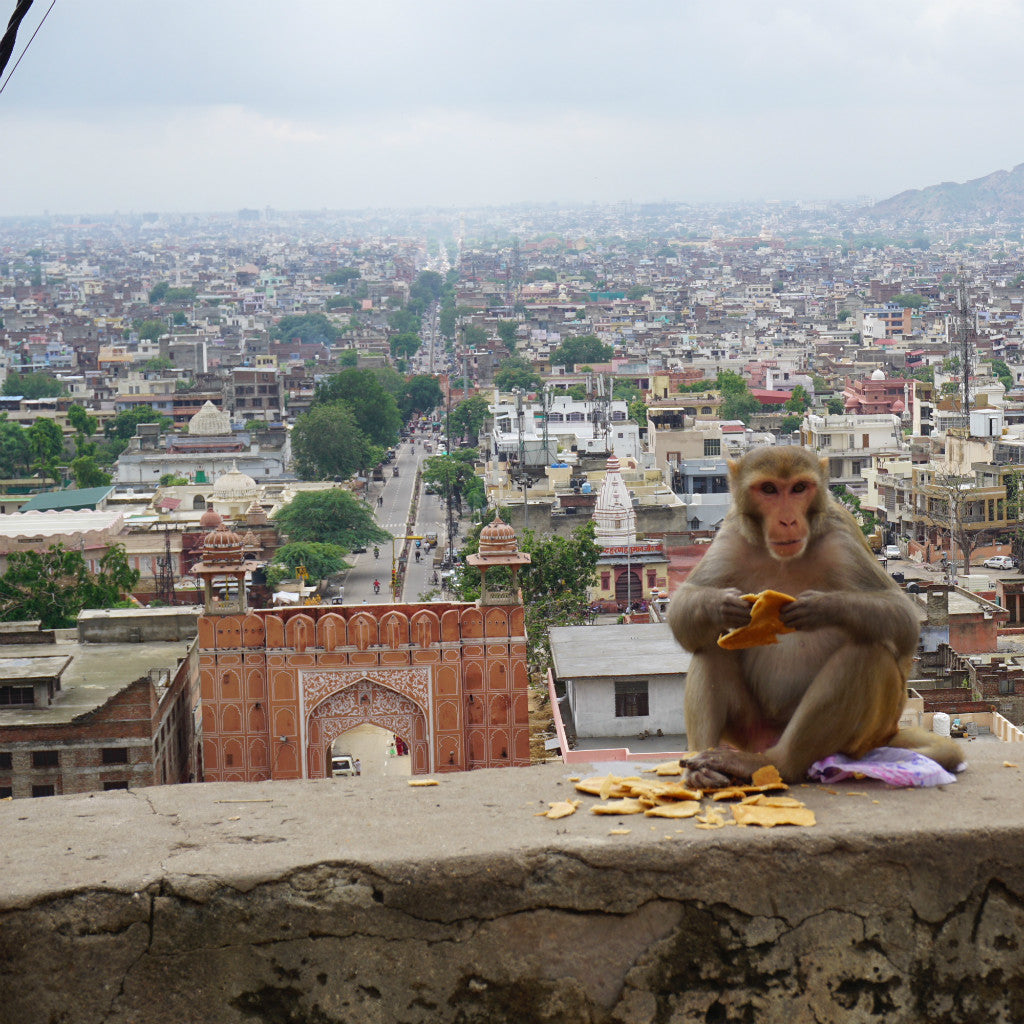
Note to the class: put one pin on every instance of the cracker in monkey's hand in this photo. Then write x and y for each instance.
(765, 624)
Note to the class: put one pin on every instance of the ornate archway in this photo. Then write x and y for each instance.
(359, 698)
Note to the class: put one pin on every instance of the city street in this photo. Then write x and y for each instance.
(393, 516)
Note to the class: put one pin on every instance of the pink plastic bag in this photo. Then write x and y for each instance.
(893, 765)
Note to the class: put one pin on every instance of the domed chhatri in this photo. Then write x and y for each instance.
(498, 546)
(498, 539)
(235, 486)
(211, 519)
(222, 547)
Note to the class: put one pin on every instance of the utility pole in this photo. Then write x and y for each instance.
(165, 575)
(965, 340)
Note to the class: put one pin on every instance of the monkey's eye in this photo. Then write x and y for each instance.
(800, 486)
(768, 488)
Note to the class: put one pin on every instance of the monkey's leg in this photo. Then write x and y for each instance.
(852, 705)
(719, 707)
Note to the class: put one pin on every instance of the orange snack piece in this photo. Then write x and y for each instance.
(764, 626)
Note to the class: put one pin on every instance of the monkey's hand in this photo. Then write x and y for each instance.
(816, 609)
(720, 767)
(734, 611)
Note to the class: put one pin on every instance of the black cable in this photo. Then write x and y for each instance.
(7, 43)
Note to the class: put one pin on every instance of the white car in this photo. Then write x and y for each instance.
(1000, 562)
(891, 551)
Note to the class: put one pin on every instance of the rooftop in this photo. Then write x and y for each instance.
(580, 651)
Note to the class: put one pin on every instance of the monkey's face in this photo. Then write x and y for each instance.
(783, 506)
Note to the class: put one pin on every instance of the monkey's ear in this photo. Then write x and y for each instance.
(823, 466)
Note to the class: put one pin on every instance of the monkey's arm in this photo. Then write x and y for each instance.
(699, 615)
(866, 616)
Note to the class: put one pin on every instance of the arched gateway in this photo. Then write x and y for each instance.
(279, 686)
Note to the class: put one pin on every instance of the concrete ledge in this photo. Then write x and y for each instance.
(357, 900)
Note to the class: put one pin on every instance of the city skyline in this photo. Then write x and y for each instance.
(125, 107)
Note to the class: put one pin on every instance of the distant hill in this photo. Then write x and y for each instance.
(999, 196)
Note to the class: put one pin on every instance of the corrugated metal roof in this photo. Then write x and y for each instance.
(631, 649)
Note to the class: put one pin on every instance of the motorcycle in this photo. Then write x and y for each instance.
(376, 586)
(376, 552)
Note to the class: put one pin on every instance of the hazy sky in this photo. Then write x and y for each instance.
(135, 105)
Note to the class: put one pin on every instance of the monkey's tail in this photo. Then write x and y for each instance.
(946, 751)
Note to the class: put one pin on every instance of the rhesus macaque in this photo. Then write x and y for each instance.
(835, 685)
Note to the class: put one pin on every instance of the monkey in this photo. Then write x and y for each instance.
(837, 684)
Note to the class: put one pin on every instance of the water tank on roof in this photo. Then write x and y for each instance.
(586, 487)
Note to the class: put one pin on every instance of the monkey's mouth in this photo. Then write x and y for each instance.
(788, 548)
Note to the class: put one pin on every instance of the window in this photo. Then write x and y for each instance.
(631, 699)
(1007, 686)
(712, 446)
(45, 759)
(49, 790)
(606, 580)
(114, 755)
(825, 441)
(107, 786)
(11, 695)
(6, 764)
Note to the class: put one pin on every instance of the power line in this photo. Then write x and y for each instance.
(7, 43)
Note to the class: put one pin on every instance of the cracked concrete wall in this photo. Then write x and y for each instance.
(344, 901)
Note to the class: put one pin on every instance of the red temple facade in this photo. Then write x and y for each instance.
(280, 686)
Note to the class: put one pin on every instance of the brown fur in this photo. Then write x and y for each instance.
(837, 684)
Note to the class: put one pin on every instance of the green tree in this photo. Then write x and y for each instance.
(375, 410)
(333, 516)
(541, 274)
(909, 300)
(799, 401)
(737, 401)
(844, 315)
(422, 393)
(584, 348)
(33, 385)
(516, 372)
(56, 584)
(791, 424)
(157, 364)
(327, 444)
(45, 441)
(125, 424)
(308, 328)
(15, 452)
(1002, 372)
(80, 419)
(508, 331)
(87, 473)
(348, 358)
(342, 275)
(835, 406)
(474, 337)
(173, 480)
(637, 408)
(452, 474)
(468, 417)
(404, 345)
(158, 291)
(319, 560)
(150, 330)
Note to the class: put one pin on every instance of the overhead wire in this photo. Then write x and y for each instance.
(10, 35)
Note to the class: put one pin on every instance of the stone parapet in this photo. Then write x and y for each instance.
(366, 899)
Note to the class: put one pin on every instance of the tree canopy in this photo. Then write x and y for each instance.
(467, 418)
(56, 584)
(422, 393)
(455, 475)
(319, 560)
(375, 409)
(33, 385)
(584, 348)
(308, 328)
(327, 444)
(333, 516)
(737, 401)
(516, 372)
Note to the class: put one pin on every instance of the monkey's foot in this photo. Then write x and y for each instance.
(720, 767)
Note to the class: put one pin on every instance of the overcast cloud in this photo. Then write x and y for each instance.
(218, 104)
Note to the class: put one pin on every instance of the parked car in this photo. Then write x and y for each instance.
(343, 765)
(891, 551)
(1000, 562)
